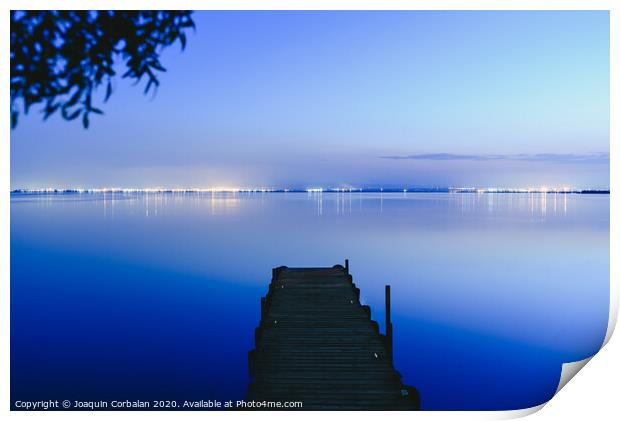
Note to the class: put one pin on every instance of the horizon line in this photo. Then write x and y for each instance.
(401, 189)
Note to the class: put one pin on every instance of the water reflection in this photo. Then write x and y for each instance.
(498, 287)
(223, 203)
(536, 203)
(216, 203)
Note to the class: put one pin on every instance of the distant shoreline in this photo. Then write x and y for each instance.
(454, 190)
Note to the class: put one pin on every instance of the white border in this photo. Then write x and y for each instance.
(593, 395)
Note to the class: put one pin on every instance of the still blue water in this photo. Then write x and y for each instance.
(156, 296)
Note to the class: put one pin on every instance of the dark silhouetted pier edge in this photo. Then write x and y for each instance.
(316, 344)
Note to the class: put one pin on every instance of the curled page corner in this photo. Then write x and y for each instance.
(519, 413)
(613, 314)
(569, 370)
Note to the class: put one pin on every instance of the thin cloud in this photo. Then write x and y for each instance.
(541, 157)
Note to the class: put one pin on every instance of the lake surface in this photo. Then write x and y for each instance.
(156, 296)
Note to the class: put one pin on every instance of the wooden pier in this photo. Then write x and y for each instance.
(316, 344)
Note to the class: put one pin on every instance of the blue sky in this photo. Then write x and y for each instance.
(276, 99)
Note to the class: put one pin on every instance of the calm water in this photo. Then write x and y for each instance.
(156, 296)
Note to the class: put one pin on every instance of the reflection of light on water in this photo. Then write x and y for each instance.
(534, 203)
(342, 197)
(159, 204)
(317, 195)
(350, 197)
(109, 203)
(360, 200)
(337, 203)
(225, 203)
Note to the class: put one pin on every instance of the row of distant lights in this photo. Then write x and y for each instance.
(191, 190)
(145, 190)
(340, 190)
(509, 190)
(266, 190)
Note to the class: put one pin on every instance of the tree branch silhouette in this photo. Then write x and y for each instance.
(59, 58)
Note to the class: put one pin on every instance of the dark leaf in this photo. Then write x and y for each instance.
(157, 66)
(74, 98)
(108, 91)
(49, 110)
(148, 86)
(73, 115)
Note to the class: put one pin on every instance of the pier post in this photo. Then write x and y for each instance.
(388, 323)
(346, 266)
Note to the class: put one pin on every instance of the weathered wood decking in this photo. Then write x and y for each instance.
(317, 344)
